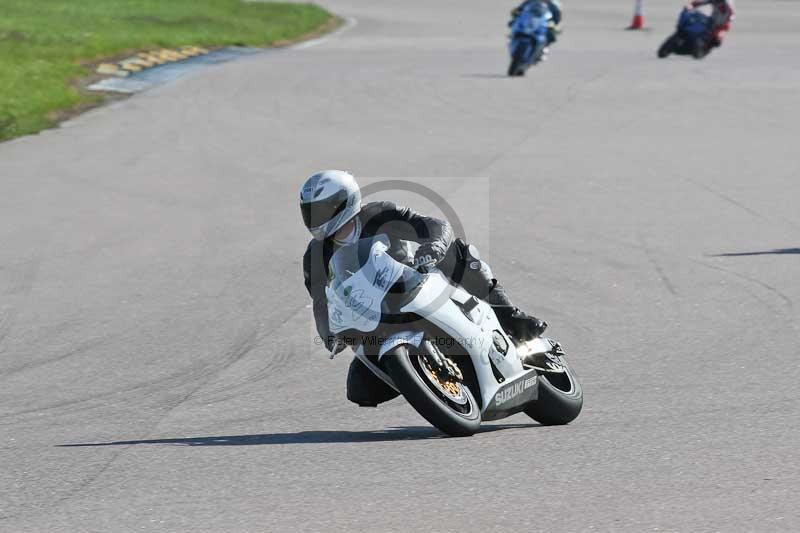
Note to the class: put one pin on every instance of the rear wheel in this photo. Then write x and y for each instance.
(560, 398)
(699, 48)
(668, 47)
(446, 403)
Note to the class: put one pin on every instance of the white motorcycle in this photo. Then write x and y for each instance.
(440, 347)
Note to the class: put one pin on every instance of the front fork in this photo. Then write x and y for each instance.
(444, 367)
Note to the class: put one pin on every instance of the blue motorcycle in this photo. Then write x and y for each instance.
(530, 30)
(692, 36)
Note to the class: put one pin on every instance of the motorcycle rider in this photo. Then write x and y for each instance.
(330, 203)
(555, 10)
(722, 13)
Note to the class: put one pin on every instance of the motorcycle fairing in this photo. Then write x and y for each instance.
(513, 396)
(355, 298)
(413, 338)
(362, 356)
(531, 23)
(693, 22)
(360, 282)
(476, 339)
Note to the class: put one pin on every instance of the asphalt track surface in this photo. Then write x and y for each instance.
(157, 368)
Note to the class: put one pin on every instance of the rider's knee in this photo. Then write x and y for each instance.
(365, 388)
(469, 270)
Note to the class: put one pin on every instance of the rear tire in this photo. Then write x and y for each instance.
(404, 370)
(560, 398)
(668, 47)
(699, 49)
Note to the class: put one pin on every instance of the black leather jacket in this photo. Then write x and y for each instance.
(398, 223)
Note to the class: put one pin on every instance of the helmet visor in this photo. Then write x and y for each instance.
(317, 213)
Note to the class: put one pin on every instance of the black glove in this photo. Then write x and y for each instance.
(428, 255)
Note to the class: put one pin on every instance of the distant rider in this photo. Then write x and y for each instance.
(555, 9)
(722, 13)
(330, 202)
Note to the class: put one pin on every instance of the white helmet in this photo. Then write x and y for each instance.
(328, 200)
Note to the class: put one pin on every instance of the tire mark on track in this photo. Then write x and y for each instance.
(788, 302)
(775, 291)
(572, 93)
(786, 299)
(240, 347)
(574, 321)
(81, 348)
(724, 197)
(656, 265)
(272, 364)
(86, 482)
(105, 399)
(21, 289)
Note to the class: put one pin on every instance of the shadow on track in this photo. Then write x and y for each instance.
(305, 437)
(778, 251)
(486, 76)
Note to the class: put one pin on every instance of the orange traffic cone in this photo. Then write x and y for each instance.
(638, 17)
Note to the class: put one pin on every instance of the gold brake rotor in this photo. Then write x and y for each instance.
(450, 386)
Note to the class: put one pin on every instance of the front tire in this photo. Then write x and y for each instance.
(668, 47)
(560, 398)
(538, 52)
(513, 68)
(457, 420)
(517, 59)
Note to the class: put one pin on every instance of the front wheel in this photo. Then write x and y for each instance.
(447, 404)
(517, 66)
(538, 52)
(668, 47)
(514, 68)
(560, 398)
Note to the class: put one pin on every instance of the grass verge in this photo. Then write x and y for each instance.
(45, 45)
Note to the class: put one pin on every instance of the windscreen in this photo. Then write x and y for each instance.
(361, 274)
(530, 19)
